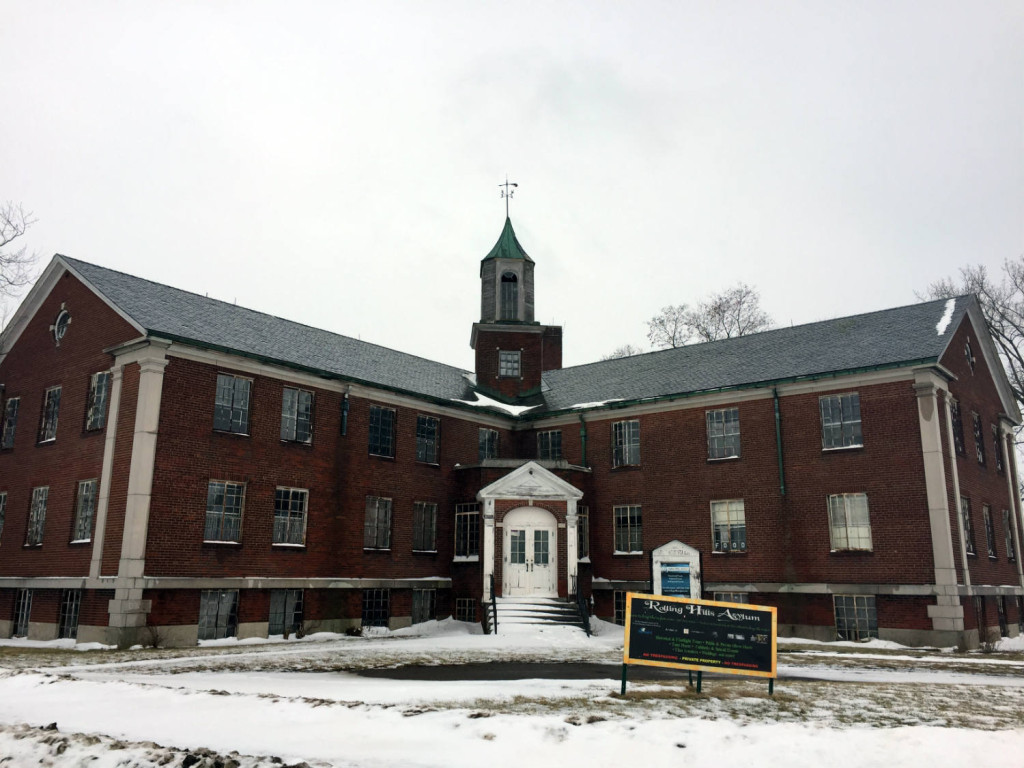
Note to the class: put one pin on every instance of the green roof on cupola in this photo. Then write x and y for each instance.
(508, 246)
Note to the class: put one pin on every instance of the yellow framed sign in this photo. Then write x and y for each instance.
(700, 635)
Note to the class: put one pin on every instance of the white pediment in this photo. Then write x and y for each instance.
(530, 481)
(675, 550)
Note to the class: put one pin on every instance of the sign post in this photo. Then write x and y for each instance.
(699, 636)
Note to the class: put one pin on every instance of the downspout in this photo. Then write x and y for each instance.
(778, 441)
(583, 440)
(344, 415)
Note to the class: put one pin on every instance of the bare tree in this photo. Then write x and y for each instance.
(15, 263)
(733, 312)
(668, 328)
(626, 350)
(1002, 303)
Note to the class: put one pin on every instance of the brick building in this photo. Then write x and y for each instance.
(176, 465)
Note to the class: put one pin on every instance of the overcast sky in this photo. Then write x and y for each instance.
(338, 163)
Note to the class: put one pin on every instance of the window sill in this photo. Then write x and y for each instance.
(993, 558)
(466, 559)
(222, 543)
(625, 467)
(32, 546)
(428, 463)
(228, 432)
(842, 448)
(300, 443)
(80, 541)
(48, 441)
(627, 554)
(376, 549)
(851, 551)
(585, 559)
(729, 552)
(718, 459)
(424, 551)
(382, 456)
(285, 545)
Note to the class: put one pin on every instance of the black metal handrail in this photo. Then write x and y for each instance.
(581, 604)
(494, 608)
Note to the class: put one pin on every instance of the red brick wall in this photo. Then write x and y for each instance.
(34, 364)
(981, 483)
(489, 343)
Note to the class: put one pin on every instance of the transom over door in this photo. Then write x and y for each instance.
(530, 547)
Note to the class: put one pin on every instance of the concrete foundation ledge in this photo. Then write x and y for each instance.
(42, 631)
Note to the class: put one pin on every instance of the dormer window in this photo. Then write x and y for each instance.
(509, 296)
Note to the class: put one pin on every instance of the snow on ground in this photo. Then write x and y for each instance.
(307, 702)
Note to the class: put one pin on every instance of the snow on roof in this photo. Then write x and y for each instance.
(940, 327)
(482, 401)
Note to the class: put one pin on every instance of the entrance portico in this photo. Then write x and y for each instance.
(535, 553)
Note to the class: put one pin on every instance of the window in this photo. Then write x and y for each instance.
(1020, 614)
(85, 508)
(51, 410)
(730, 597)
(428, 430)
(231, 407)
(625, 443)
(37, 517)
(3, 510)
(285, 612)
(290, 515)
(96, 403)
(10, 422)
(840, 421)
(1004, 627)
(465, 609)
(297, 415)
(67, 621)
(509, 363)
(424, 602)
(509, 296)
(628, 530)
(382, 431)
(377, 529)
(549, 445)
(488, 444)
(849, 524)
(218, 613)
(997, 448)
(990, 531)
(979, 439)
(424, 527)
(582, 532)
(22, 612)
(724, 433)
(965, 516)
(467, 530)
(728, 521)
(619, 599)
(1011, 549)
(856, 618)
(376, 607)
(958, 426)
(224, 502)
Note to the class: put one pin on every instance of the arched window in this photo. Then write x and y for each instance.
(509, 296)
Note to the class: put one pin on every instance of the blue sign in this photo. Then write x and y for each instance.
(675, 579)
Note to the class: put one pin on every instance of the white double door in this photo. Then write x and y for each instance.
(530, 560)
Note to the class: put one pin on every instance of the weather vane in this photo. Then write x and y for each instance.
(507, 193)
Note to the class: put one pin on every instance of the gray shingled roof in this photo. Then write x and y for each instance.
(180, 315)
(874, 340)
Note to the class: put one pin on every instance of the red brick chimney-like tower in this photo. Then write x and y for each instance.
(512, 349)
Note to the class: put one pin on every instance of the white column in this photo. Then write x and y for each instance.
(103, 498)
(571, 543)
(956, 495)
(947, 614)
(1010, 454)
(487, 553)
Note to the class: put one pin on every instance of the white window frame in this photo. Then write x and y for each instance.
(583, 533)
(96, 404)
(510, 364)
(990, 531)
(10, 422)
(549, 445)
(382, 442)
(631, 531)
(863, 612)
(237, 407)
(67, 617)
(228, 516)
(467, 531)
(965, 519)
(728, 517)
(487, 444)
(731, 597)
(85, 511)
(377, 523)
(424, 605)
(1011, 549)
(841, 411)
(626, 443)
(50, 415)
(465, 609)
(218, 614)
(428, 445)
(723, 428)
(846, 532)
(37, 517)
(290, 520)
(297, 415)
